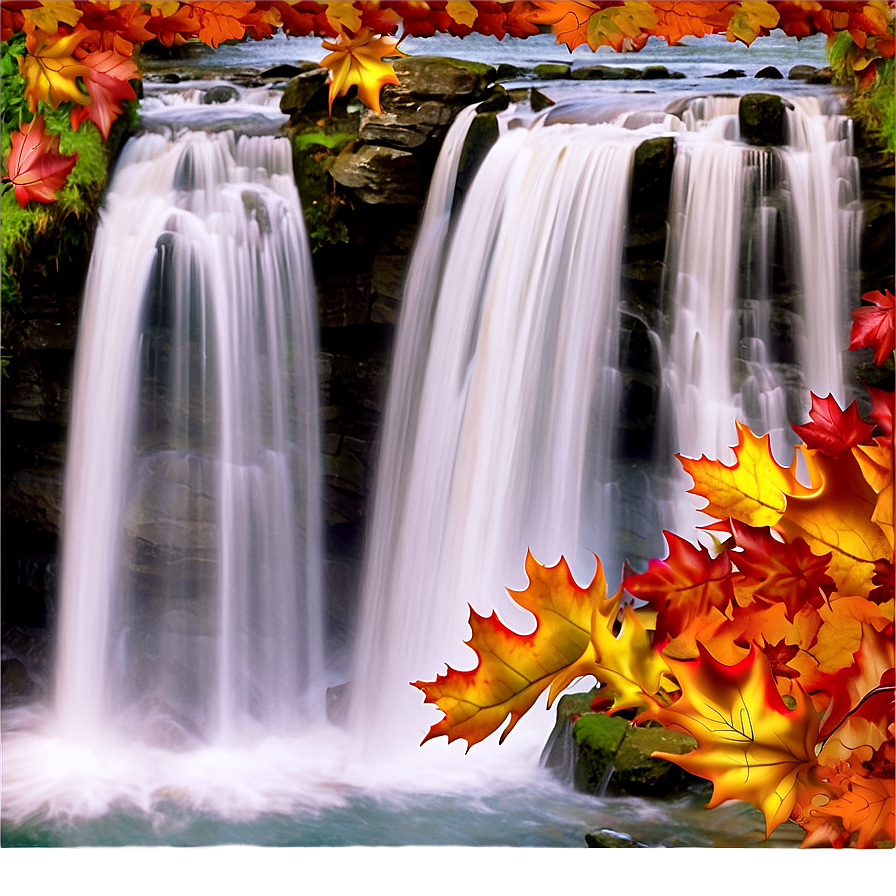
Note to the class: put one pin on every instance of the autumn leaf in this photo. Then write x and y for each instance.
(786, 572)
(463, 13)
(753, 490)
(873, 326)
(683, 587)
(568, 21)
(108, 86)
(220, 21)
(616, 24)
(34, 165)
(749, 744)
(836, 516)
(51, 72)
(750, 19)
(833, 430)
(342, 15)
(358, 61)
(882, 407)
(513, 670)
(876, 463)
(48, 16)
(677, 19)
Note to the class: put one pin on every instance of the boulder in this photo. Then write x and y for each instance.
(763, 119)
(302, 89)
(769, 72)
(550, 71)
(598, 737)
(822, 76)
(801, 72)
(608, 839)
(286, 70)
(637, 773)
(221, 93)
(605, 73)
(659, 72)
(507, 72)
(380, 175)
(729, 73)
(481, 137)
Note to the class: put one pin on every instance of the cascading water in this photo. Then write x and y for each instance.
(191, 574)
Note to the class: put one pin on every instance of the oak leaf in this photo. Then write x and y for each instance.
(833, 430)
(873, 325)
(34, 165)
(753, 490)
(358, 61)
(749, 744)
(50, 70)
(513, 669)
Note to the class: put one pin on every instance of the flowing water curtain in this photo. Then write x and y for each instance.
(508, 445)
(191, 579)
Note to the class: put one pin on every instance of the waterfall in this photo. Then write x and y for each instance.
(191, 570)
(509, 443)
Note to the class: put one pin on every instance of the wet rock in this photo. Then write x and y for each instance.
(729, 73)
(604, 73)
(289, 71)
(344, 299)
(608, 839)
(221, 93)
(16, 686)
(763, 119)
(538, 101)
(380, 175)
(496, 101)
(637, 773)
(659, 73)
(34, 495)
(302, 89)
(387, 281)
(550, 71)
(481, 137)
(507, 72)
(598, 737)
(801, 72)
(822, 76)
(769, 72)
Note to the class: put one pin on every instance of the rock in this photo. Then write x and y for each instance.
(439, 77)
(610, 839)
(222, 93)
(481, 137)
(496, 101)
(386, 282)
(380, 175)
(822, 76)
(729, 73)
(34, 495)
(637, 773)
(605, 73)
(302, 89)
(16, 686)
(550, 71)
(538, 101)
(763, 120)
(657, 72)
(507, 72)
(769, 72)
(598, 737)
(801, 72)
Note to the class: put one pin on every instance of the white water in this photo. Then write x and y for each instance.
(190, 581)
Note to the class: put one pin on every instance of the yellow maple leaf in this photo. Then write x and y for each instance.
(836, 516)
(749, 19)
(514, 670)
(750, 745)
(876, 463)
(464, 13)
(342, 15)
(613, 25)
(358, 61)
(48, 15)
(753, 490)
(50, 70)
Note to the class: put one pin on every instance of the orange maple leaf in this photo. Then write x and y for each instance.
(51, 71)
(108, 86)
(750, 745)
(358, 61)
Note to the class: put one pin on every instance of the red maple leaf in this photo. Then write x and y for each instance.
(881, 410)
(832, 430)
(34, 164)
(787, 572)
(873, 326)
(107, 84)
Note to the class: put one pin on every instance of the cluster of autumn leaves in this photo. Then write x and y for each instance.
(83, 53)
(775, 650)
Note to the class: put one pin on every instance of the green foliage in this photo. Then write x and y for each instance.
(874, 106)
(313, 157)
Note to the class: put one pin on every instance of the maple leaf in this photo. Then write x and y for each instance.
(833, 430)
(48, 15)
(750, 19)
(683, 587)
(836, 516)
(108, 86)
(876, 462)
(512, 669)
(50, 70)
(220, 21)
(788, 572)
(118, 29)
(873, 326)
(753, 490)
(749, 744)
(612, 26)
(882, 408)
(676, 19)
(34, 164)
(173, 23)
(358, 61)
(463, 13)
(344, 16)
(568, 21)
(864, 809)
